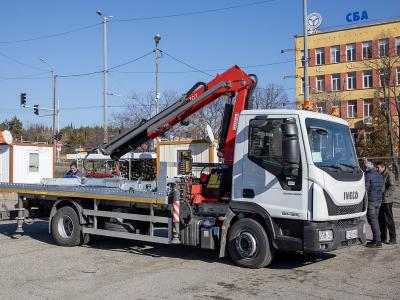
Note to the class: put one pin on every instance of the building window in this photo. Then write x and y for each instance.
(381, 78)
(321, 107)
(367, 78)
(335, 54)
(351, 81)
(367, 135)
(398, 45)
(366, 50)
(302, 57)
(320, 56)
(351, 52)
(368, 108)
(33, 162)
(352, 109)
(335, 82)
(302, 86)
(383, 47)
(398, 75)
(320, 83)
(354, 135)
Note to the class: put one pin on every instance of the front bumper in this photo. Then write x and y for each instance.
(311, 243)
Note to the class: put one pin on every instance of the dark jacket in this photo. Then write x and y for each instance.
(69, 174)
(374, 186)
(388, 186)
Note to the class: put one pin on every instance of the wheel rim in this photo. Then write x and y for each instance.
(65, 227)
(246, 244)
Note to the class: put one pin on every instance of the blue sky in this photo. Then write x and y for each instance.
(244, 36)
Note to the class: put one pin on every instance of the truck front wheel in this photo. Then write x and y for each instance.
(248, 244)
(65, 227)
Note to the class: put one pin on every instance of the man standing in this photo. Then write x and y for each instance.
(373, 186)
(386, 221)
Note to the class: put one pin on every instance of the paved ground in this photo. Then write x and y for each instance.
(33, 267)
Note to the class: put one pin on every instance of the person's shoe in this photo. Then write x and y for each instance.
(374, 244)
(392, 242)
(369, 244)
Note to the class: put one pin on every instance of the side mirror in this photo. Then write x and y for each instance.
(290, 148)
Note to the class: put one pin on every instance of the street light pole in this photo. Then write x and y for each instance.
(306, 61)
(157, 39)
(105, 77)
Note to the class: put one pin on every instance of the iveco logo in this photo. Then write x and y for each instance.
(350, 195)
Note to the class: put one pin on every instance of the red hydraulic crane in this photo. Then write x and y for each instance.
(233, 82)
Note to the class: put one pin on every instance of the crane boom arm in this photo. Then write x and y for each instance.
(232, 81)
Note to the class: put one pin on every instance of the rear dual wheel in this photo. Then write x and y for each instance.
(249, 245)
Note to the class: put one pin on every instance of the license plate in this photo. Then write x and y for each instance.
(351, 234)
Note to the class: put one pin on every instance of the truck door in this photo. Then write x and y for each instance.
(263, 180)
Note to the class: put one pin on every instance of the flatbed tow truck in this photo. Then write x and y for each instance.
(289, 180)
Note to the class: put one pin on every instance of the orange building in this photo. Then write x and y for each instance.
(342, 71)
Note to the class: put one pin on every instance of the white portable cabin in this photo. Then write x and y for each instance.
(199, 151)
(26, 163)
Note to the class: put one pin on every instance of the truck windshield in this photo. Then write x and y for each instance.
(331, 146)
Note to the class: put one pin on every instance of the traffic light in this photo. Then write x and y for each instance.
(36, 109)
(23, 99)
(58, 136)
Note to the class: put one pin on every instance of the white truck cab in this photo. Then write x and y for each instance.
(314, 201)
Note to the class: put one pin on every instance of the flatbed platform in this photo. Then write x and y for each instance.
(98, 193)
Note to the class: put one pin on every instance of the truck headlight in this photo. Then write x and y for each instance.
(325, 235)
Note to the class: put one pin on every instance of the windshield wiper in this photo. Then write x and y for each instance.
(341, 167)
(349, 166)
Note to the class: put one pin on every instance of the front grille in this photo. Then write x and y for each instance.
(345, 223)
(335, 210)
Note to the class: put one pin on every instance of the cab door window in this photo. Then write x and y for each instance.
(265, 149)
(265, 144)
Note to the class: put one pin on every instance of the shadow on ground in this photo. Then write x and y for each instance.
(39, 231)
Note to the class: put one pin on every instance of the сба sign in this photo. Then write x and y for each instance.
(357, 16)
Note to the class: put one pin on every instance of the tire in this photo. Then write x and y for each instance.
(249, 245)
(66, 229)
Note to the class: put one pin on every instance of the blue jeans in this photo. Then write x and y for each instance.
(372, 217)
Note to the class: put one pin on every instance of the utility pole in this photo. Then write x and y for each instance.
(306, 58)
(55, 104)
(105, 77)
(157, 39)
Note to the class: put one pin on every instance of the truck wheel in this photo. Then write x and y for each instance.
(248, 244)
(65, 227)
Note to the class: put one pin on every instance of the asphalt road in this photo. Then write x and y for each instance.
(32, 267)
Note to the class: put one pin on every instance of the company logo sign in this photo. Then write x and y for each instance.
(350, 195)
(357, 16)
(314, 20)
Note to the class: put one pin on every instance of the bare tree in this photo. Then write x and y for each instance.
(273, 96)
(326, 100)
(385, 67)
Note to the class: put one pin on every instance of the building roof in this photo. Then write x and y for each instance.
(356, 26)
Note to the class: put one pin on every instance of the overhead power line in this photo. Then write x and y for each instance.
(199, 12)
(207, 70)
(186, 64)
(43, 37)
(112, 68)
(20, 63)
(89, 107)
(32, 76)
